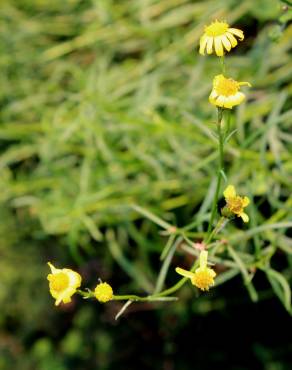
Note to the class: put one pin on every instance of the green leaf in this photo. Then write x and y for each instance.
(246, 276)
(157, 220)
(281, 287)
(226, 275)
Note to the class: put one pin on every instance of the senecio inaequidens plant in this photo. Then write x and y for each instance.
(217, 38)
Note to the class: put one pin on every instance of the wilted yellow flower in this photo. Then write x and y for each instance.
(63, 284)
(225, 92)
(103, 292)
(236, 204)
(203, 277)
(218, 36)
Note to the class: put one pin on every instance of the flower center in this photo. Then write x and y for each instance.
(216, 29)
(226, 86)
(203, 278)
(59, 281)
(235, 204)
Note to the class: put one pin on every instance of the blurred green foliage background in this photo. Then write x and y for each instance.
(104, 104)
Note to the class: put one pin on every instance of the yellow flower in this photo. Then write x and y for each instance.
(225, 92)
(218, 36)
(103, 292)
(63, 284)
(235, 203)
(203, 277)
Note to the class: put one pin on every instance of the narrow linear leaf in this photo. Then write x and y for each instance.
(157, 220)
(226, 275)
(92, 228)
(165, 266)
(281, 287)
(224, 175)
(246, 277)
(126, 265)
(167, 247)
(230, 135)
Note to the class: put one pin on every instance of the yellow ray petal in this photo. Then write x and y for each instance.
(244, 217)
(67, 300)
(229, 192)
(212, 97)
(233, 100)
(244, 83)
(184, 273)
(75, 278)
(232, 39)
(226, 43)
(218, 46)
(53, 268)
(220, 101)
(203, 43)
(237, 33)
(212, 272)
(245, 202)
(209, 45)
(203, 259)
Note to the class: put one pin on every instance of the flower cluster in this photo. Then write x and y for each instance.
(219, 37)
(63, 283)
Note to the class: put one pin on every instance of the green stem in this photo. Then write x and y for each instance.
(148, 298)
(85, 294)
(178, 285)
(220, 225)
(174, 288)
(130, 297)
(219, 173)
(223, 65)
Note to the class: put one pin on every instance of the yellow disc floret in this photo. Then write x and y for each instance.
(203, 277)
(225, 86)
(103, 292)
(216, 28)
(235, 203)
(218, 37)
(225, 92)
(63, 283)
(58, 281)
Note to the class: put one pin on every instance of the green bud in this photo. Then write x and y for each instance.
(225, 212)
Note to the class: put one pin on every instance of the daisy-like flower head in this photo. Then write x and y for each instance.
(63, 283)
(225, 92)
(103, 292)
(236, 204)
(203, 277)
(219, 36)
